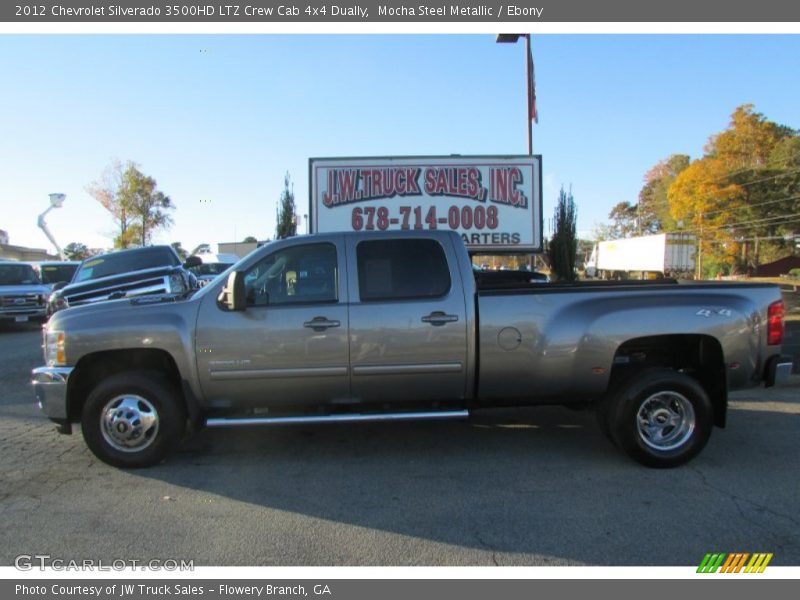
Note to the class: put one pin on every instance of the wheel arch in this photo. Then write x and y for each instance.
(697, 355)
(97, 366)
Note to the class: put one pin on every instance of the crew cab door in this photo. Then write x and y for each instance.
(289, 346)
(408, 325)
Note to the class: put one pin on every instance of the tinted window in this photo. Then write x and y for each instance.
(402, 269)
(126, 262)
(294, 275)
(21, 274)
(56, 273)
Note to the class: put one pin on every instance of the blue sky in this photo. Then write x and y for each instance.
(219, 119)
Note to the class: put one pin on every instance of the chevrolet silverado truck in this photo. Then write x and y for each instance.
(146, 271)
(392, 326)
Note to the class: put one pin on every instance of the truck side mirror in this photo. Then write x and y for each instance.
(232, 296)
(193, 261)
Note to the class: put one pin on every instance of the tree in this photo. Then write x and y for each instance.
(653, 207)
(286, 222)
(178, 247)
(564, 243)
(76, 251)
(742, 197)
(146, 205)
(249, 240)
(105, 190)
(131, 197)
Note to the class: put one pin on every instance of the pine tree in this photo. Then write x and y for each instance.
(286, 222)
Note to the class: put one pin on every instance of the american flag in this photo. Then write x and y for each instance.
(534, 114)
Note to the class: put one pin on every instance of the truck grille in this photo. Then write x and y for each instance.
(155, 285)
(21, 303)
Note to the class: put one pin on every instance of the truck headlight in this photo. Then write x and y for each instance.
(55, 345)
(176, 284)
(57, 302)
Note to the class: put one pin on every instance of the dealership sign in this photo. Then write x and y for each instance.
(493, 202)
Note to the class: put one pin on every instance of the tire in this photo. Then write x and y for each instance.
(660, 417)
(133, 419)
(601, 413)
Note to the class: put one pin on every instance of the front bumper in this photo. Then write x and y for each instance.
(26, 314)
(778, 369)
(50, 387)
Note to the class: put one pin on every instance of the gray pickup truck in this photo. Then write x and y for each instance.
(392, 326)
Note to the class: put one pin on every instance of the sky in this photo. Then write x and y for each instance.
(218, 120)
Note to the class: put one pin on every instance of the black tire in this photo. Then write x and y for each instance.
(601, 413)
(660, 417)
(117, 419)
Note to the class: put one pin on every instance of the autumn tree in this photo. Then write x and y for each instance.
(105, 190)
(741, 197)
(653, 206)
(137, 206)
(563, 245)
(286, 222)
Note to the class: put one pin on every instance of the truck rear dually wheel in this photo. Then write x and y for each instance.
(660, 417)
(133, 419)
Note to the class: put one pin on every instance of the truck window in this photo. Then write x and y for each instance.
(300, 274)
(401, 270)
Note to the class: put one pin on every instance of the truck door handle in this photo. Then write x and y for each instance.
(439, 318)
(321, 324)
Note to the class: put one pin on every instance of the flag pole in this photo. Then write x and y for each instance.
(528, 113)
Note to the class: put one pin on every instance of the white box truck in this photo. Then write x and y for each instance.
(667, 254)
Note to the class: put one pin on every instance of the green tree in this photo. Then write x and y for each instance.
(145, 204)
(76, 251)
(286, 222)
(563, 245)
(249, 240)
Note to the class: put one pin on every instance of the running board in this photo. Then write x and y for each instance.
(405, 416)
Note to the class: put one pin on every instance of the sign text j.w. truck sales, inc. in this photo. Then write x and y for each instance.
(494, 202)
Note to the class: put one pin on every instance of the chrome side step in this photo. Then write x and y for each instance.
(352, 418)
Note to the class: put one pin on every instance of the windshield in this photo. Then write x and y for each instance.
(126, 262)
(18, 275)
(57, 273)
(210, 268)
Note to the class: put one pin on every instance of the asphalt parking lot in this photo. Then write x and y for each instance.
(521, 487)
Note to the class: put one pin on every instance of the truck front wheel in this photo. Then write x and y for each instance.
(133, 419)
(660, 417)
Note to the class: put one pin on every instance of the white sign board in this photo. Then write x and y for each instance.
(494, 202)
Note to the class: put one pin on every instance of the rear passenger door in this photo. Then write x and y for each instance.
(408, 326)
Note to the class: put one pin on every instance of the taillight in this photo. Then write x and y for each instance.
(775, 323)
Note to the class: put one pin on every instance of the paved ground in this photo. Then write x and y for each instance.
(528, 487)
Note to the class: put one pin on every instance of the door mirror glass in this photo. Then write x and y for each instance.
(233, 296)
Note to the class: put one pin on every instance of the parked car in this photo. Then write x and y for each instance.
(53, 272)
(382, 326)
(23, 297)
(212, 266)
(147, 271)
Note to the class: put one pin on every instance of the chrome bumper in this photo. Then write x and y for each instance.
(50, 387)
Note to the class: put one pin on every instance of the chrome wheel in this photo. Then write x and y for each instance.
(129, 423)
(665, 421)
